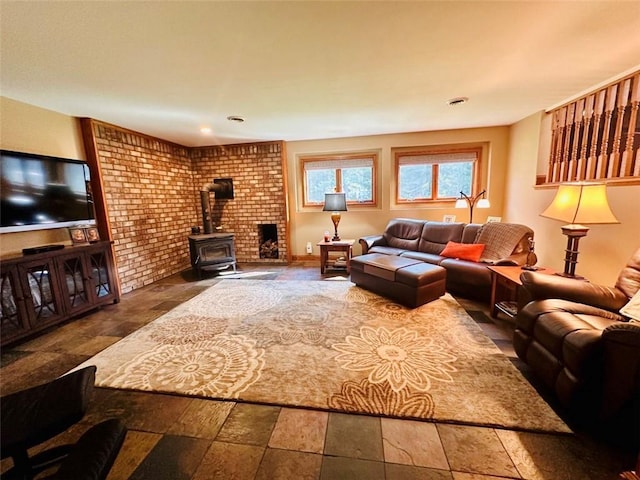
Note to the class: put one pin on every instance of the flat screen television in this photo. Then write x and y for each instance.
(39, 192)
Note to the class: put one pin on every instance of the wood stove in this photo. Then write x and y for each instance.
(214, 251)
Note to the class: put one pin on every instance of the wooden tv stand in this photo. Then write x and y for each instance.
(44, 289)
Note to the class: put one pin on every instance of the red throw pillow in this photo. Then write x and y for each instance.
(463, 251)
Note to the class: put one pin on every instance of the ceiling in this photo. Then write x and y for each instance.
(309, 70)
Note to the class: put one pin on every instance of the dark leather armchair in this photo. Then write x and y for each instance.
(33, 416)
(573, 337)
(93, 455)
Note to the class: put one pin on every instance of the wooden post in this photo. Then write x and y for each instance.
(556, 140)
(601, 169)
(568, 137)
(592, 161)
(614, 158)
(577, 137)
(586, 138)
(626, 165)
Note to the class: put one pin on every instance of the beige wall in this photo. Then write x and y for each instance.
(605, 249)
(308, 225)
(25, 128)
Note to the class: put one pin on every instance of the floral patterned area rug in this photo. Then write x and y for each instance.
(331, 346)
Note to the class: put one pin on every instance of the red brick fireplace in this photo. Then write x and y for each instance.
(259, 199)
(149, 195)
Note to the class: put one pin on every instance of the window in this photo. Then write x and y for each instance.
(596, 136)
(429, 176)
(353, 174)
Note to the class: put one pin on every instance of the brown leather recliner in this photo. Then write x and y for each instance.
(574, 338)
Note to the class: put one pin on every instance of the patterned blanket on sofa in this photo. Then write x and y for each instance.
(500, 239)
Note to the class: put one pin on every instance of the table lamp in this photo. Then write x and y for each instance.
(335, 203)
(579, 203)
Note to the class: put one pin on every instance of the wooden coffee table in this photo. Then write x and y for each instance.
(505, 284)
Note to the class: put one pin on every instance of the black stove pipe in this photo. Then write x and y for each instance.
(220, 186)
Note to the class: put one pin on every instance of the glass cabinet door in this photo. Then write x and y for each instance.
(76, 288)
(41, 299)
(101, 281)
(13, 320)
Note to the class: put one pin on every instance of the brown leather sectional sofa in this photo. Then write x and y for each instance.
(425, 240)
(574, 338)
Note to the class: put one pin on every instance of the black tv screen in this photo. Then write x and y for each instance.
(40, 192)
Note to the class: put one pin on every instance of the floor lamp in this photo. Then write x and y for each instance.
(579, 204)
(335, 203)
(466, 200)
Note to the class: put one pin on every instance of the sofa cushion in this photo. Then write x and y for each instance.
(470, 232)
(403, 233)
(579, 349)
(471, 275)
(386, 250)
(501, 239)
(463, 251)
(562, 318)
(424, 257)
(435, 236)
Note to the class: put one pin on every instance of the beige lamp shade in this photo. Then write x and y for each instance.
(581, 203)
(483, 203)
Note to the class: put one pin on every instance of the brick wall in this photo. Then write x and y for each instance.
(259, 193)
(152, 196)
(151, 203)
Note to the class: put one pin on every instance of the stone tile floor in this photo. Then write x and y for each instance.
(172, 437)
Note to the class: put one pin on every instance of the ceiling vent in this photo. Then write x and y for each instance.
(457, 101)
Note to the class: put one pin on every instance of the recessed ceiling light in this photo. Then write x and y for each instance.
(235, 118)
(205, 130)
(457, 101)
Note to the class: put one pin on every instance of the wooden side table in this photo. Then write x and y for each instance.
(344, 246)
(505, 283)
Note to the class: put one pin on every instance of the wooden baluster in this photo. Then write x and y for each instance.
(562, 118)
(568, 138)
(552, 150)
(586, 138)
(614, 159)
(592, 162)
(556, 139)
(577, 138)
(601, 169)
(627, 164)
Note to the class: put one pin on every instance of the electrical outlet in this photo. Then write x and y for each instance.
(309, 248)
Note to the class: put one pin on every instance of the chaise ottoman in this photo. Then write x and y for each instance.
(407, 281)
